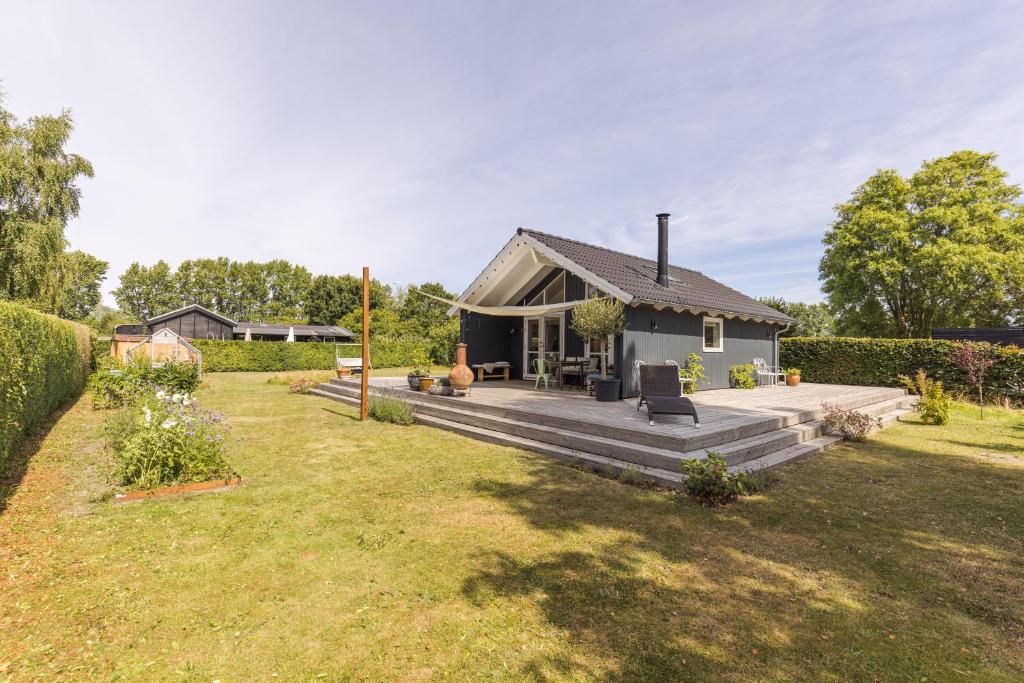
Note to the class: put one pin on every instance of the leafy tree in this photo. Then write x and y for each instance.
(145, 292)
(332, 297)
(204, 282)
(103, 319)
(288, 286)
(944, 247)
(422, 311)
(812, 320)
(72, 286)
(38, 195)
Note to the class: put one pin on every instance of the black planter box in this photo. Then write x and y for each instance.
(607, 389)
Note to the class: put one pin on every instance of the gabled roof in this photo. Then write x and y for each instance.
(190, 309)
(634, 279)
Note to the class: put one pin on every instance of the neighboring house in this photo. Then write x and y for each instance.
(197, 322)
(670, 311)
(1006, 336)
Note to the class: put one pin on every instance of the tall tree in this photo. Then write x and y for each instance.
(812, 320)
(288, 286)
(38, 196)
(145, 292)
(423, 311)
(72, 286)
(942, 248)
(204, 282)
(332, 297)
(103, 319)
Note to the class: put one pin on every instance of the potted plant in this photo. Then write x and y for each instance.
(419, 377)
(600, 319)
(692, 374)
(793, 377)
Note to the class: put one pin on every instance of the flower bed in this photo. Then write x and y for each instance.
(162, 439)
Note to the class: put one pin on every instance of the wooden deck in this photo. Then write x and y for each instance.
(722, 411)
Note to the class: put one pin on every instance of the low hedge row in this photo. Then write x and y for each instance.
(44, 364)
(256, 356)
(879, 362)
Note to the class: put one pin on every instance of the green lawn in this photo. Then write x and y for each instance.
(375, 552)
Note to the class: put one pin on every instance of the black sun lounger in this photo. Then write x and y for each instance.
(660, 389)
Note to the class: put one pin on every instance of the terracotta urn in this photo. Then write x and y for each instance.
(792, 380)
(461, 375)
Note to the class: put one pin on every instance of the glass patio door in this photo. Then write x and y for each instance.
(543, 337)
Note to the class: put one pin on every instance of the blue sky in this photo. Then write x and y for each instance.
(415, 137)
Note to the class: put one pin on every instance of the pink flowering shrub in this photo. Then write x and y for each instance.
(853, 425)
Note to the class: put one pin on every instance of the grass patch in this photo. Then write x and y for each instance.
(361, 550)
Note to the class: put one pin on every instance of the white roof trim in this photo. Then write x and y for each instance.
(494, 270)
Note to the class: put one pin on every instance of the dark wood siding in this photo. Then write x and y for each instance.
(994, 335)
(575, 290)
(490, 339)
(673, 336)
(195, 325)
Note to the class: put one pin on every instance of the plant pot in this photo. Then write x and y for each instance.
(607, 389)
(792, 380)
(342, 372)
(425, 383)
(414, 382)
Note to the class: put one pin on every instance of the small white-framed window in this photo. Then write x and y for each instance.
(714, 337)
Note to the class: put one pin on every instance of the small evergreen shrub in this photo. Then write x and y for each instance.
(710, 482)
(390, 409)
(742, 376)
(852, 424)
(162, 439)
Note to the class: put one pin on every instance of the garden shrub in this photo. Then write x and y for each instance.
(694, 370)
(935, 403)
(117, 385)
(390, 408)
(880, 362)
(742, 376)
(44, 364)
(164, 439)
(302, 385)
(852, 424)
(710, 482)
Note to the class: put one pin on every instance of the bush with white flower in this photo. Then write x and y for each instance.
(167, 438)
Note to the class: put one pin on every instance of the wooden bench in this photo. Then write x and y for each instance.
(346, 366)
(501, 371)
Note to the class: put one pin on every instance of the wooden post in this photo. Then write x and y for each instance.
(364, 394)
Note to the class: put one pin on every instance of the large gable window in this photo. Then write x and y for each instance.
(713, 337)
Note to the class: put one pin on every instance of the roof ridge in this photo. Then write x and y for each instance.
(614, 251)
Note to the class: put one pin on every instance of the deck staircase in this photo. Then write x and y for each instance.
(648, 455)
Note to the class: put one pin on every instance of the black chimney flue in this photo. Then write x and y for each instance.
(663, 249)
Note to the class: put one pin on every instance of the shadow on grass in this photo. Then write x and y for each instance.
(354, 418)
(14, 469)
(762, 589)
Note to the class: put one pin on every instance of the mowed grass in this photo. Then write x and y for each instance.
(364, 551)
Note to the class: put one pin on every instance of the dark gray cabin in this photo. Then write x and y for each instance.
(197, 322)
(671, 311)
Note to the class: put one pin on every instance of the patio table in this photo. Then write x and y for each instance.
(561, 365)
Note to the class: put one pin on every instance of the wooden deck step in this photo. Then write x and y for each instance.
(593, 461)
(710, 436)
(756, 452)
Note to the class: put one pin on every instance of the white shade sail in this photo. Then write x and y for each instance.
(509, 311)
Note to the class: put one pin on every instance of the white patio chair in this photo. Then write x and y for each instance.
(772, 372)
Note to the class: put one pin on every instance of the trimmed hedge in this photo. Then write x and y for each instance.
(44, 364)
(879, 362)
(259, 356)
